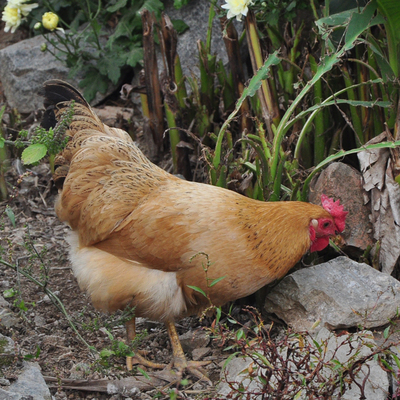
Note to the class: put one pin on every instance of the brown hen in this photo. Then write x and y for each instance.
(136, 229)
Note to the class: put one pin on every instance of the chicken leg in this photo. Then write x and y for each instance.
(178, 357)
(131, 334)
(179, 360)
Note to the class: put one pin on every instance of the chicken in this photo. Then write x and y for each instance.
(140, 236)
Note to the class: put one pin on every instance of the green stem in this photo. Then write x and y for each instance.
(306, 126)
(356, 120)
(319, 135)
(211, 16)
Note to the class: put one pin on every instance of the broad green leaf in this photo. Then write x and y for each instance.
(105, 353)
(2, 142)
(396, 360)
(386, 332)
(263, 359)
(390, 9)
(117, 6)
(110, 66)
(144, 373)
(218, 317)
(384, 65)
(180, 3)
(197, 289)
(33, 153)
(9, 293)
(339, 19)
(298, 395)
(93, 83)
(354, 103)
(180, 26)
(155, 6)
(215, 281)
(257, 79)
(135, 56)
(359, 22)
(10, 214)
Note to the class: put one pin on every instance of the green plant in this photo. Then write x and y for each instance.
(296, 365)
(45, 142)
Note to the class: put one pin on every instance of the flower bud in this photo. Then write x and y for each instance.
(37, 26)
(50, 21)
(43, 47)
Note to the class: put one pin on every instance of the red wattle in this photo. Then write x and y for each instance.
(319, 243)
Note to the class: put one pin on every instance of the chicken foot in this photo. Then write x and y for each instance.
(179, 360)
(138, 357)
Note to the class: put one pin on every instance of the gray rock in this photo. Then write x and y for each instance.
(200, 353)
(195, 15)
(24, 68)
(30, 384)
(243, 373)
(193, 340)
(340, 294)
(3, 302)
(343, 182)
(7, 318)
(361, 344)
(237, 372)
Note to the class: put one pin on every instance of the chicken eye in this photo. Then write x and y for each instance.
(326, 224)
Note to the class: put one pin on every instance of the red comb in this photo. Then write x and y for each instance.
(336, 210)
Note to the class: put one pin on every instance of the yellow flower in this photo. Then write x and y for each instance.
(237, 8)
(50, 21)
(13, 13)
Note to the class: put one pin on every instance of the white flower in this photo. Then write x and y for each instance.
(237, 8)
(13, 13)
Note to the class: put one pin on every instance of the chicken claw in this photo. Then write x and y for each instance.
(179, 361)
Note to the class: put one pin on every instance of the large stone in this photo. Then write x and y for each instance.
(24, 68)
(371, 377)
(29, 385)
(343, 182)
(340, 294)
(195, 15)
(290, 360)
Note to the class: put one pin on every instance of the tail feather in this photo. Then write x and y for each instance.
(85, 123)
(55, 91)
